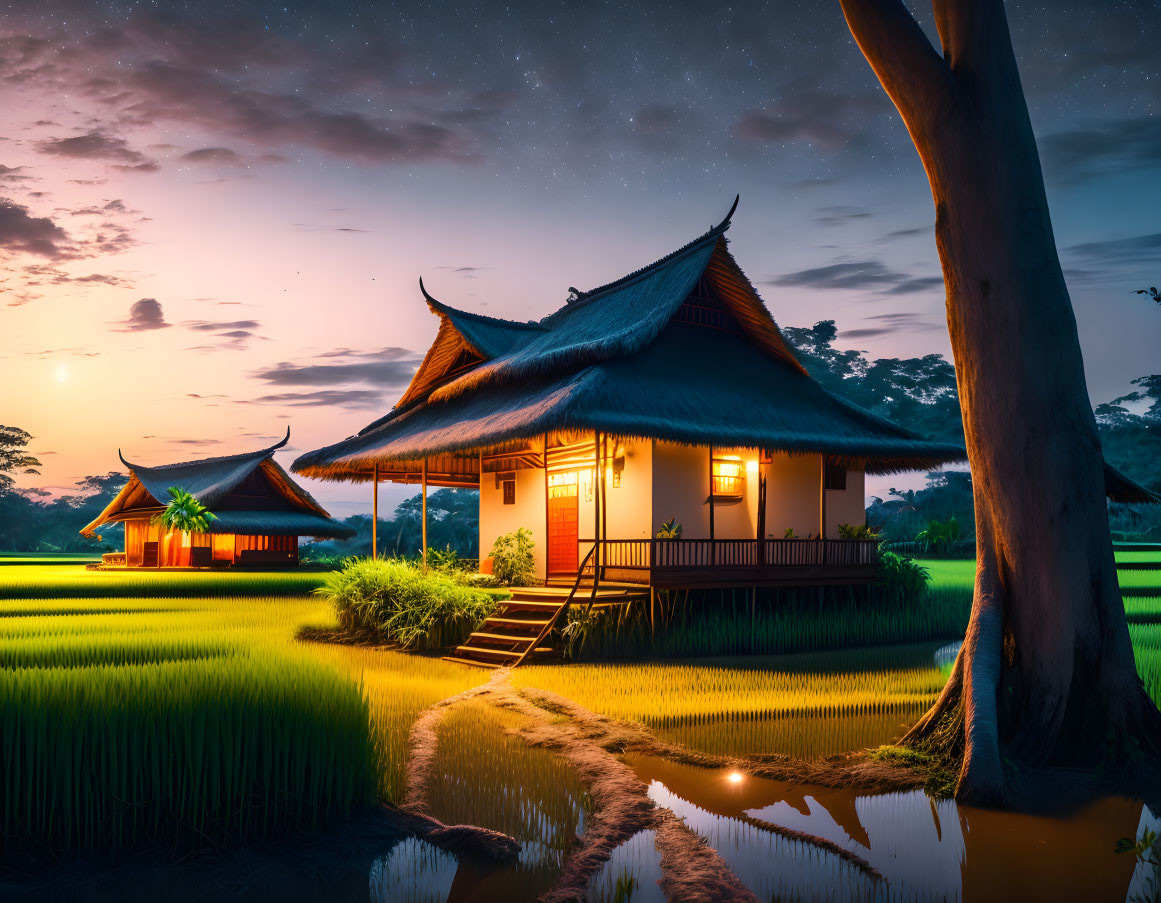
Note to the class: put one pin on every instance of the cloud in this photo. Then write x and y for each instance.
(890, 323)
(13, 174)
(387, 368)
(839, 215)
(144, 315)
(1136, 249)
(1086, 154)
(22, 232)
(865, 275)
(41, 274)
(812, 115)
(219, 155)
(97, 145)
(347, 398)
(212, 326)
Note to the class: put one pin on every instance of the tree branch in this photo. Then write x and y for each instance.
(911, 71)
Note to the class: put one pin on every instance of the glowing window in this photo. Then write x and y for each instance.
(728, 474)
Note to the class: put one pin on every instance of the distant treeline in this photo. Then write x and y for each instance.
(919, 392)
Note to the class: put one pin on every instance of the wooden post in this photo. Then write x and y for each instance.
(424, 492)
(713, 543)
(761, 512)
(375, 513)
(822, 499)
(596, 510)
(545, 462)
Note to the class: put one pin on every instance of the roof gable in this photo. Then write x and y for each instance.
(623, 317)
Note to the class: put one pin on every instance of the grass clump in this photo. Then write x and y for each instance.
(939, 780)
(396, 600)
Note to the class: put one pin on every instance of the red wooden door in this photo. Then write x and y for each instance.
(562, 523)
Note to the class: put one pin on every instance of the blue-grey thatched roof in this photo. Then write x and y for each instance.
(623, 359)
(210, 481)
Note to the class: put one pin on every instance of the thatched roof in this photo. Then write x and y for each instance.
(210, 481)
(681, 350)
(1120, 488)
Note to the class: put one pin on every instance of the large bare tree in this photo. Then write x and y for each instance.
(1046, 678)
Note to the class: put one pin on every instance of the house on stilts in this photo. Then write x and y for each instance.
(667, 394)
(260, 512)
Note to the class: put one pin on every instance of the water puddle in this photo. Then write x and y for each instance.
(486, 777)
(926, 850)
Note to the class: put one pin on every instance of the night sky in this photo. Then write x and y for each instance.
(215, 215)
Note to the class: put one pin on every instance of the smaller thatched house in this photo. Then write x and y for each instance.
(260, 513)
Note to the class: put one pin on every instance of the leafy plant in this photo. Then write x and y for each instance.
(512, 561)
(939, 536)
(856, 531)
(185, 513)
(446, 561)
(789, 534)
(671, 529)
(901, 578)
(395, 600)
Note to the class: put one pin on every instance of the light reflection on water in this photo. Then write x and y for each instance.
(925, 849)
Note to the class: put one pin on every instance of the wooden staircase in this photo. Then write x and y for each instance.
(521, 629)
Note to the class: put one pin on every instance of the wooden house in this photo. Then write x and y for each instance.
(260, 513)
(669, 393)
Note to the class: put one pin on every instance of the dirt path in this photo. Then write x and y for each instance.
(590, 743)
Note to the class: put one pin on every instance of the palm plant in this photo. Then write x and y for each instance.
(939, 536)
(185, 513)
(671, 529)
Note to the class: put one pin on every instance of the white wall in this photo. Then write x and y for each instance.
(847, 506)
(496, 518)
(681, 489)
(792, 484)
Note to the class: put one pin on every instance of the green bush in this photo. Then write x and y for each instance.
(512, 561)
(856, 531)
(396, 600)
(901, 578)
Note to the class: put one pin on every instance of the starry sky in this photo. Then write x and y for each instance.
(213, 216)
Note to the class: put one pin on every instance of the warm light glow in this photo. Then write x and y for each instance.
(734, 777)
(752, 466)
(727, 473)
(62, 372)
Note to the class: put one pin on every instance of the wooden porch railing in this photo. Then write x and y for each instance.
(646, 554)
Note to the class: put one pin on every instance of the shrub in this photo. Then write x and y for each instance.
(901, 578)
(856, 531)
(939, 537)
(395, 599)
(512, 561)
(671, 529)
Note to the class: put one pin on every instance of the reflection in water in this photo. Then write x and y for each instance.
(925, 849)
(637, 861)
(413, 872)
(486, 777)
(1146, 883)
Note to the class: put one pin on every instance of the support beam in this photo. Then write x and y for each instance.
(596, 509)
(713, 543)
(424, 478)
(822, 498)
(375, 512)
(761, 519)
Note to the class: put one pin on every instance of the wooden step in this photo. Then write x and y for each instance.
(513, 621)
(470, 661)
(478, 652)
(503, 638)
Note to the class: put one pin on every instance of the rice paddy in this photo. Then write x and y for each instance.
(192, 719)
(53, 580)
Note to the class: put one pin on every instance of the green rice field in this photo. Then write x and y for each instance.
(136, 718)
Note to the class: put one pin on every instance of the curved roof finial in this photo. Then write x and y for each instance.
(427, 296)
(285, 439)
(123, 461)
(734, 207)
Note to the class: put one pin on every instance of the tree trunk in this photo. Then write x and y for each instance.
(1046, 677)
